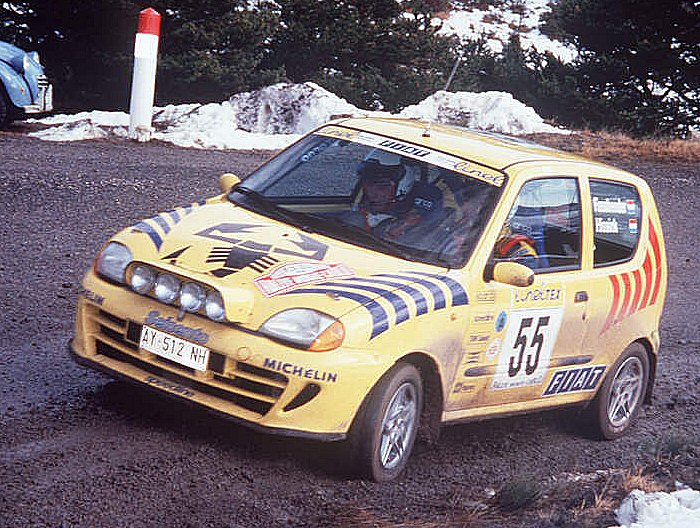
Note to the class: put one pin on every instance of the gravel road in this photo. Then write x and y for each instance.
(80, 450)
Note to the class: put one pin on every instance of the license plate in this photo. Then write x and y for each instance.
(174, 348)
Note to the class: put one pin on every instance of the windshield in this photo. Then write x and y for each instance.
(376, 193)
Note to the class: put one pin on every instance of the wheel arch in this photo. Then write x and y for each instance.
(433, 395)
(652, 356)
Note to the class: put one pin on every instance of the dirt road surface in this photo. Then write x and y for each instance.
(80, 450)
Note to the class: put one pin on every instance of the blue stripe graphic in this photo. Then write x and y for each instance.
(152, 233)
(187, 208)
(417, 296)
(174, 215)
(438, 295)
(397, 302)
(162, 223)
(201, 202)
(459, 294)
(380, 320)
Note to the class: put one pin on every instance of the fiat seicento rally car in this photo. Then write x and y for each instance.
(379, 278)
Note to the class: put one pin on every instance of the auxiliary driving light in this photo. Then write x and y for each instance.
(214, 306)
(167, 288)
(142, 279)
(192, 296)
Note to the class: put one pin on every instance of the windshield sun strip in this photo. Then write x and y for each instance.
(435, 157)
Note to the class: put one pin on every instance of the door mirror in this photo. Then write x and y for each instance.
(513, 273)
(227, 181)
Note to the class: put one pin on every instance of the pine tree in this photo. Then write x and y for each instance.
(641, 56)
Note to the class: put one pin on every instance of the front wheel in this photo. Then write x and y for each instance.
(616, 406)
(384, 431)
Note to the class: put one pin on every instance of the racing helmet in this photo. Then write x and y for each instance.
(382, 181)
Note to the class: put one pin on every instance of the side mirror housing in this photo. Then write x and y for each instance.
(227, 181)
(513, 273)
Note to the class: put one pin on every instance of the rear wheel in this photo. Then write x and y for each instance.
(616, 406)
(4, 109)
(384, 431)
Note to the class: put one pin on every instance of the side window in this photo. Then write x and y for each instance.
(616, 220)
(543, 230)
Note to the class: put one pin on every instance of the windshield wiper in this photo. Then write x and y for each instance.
(269, 206)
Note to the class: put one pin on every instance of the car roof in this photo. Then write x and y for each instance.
(493, 150)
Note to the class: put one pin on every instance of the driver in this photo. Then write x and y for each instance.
(380, 192)
(517, 247)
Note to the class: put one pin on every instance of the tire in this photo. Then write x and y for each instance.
(4, 109)
(616, 406)
(382, 436)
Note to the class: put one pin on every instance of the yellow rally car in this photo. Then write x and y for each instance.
(382, 277)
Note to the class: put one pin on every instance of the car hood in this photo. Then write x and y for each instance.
(262, 266)
(8, 51)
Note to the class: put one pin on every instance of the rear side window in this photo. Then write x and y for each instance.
(617, 214)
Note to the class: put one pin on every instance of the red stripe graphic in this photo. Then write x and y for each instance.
(628, 295)
(637, 292)
(616, 299)
(657, 255)
(647, 281)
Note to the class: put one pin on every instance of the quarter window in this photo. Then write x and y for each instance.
(616, 222)
(543, 230)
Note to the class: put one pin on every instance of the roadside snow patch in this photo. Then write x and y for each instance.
(680, 509)
(275, 116)
(287, 108)
(493, 111)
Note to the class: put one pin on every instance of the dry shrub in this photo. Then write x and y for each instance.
(634, 478)
(606, 146)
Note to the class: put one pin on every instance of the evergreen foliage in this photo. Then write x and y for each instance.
(638, 71)
(640, 57)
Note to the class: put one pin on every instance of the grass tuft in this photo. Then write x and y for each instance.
(518, 493)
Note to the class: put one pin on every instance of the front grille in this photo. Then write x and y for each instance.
(252, 388)
(42, 81)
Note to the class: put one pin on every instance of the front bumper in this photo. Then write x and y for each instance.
(43, 103)
(254, 380)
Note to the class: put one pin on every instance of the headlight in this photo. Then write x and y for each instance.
(167, 288)
(214, 306)
(142, 279)
(112, 261)
(306, 328)
(192, 297)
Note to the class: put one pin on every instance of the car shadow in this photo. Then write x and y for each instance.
(144, 408)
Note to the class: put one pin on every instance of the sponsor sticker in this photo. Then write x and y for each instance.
(492, 350)
(93, 297)
(548, 294)
(633, 226)
(575, 380)
(606, 225)
(299, 370)
(631, 207)
(501, 321)
(486, 297)
(287, 277)
(485, 317)
(409, 150)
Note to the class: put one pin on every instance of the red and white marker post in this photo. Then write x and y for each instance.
(143, 83)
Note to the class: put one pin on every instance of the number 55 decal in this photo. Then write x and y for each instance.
(527, 348)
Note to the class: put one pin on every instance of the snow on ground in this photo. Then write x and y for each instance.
(494, 111)
(275, 116)
(679, 509)
(497, 23)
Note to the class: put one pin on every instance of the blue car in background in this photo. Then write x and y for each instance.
(24, 88)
